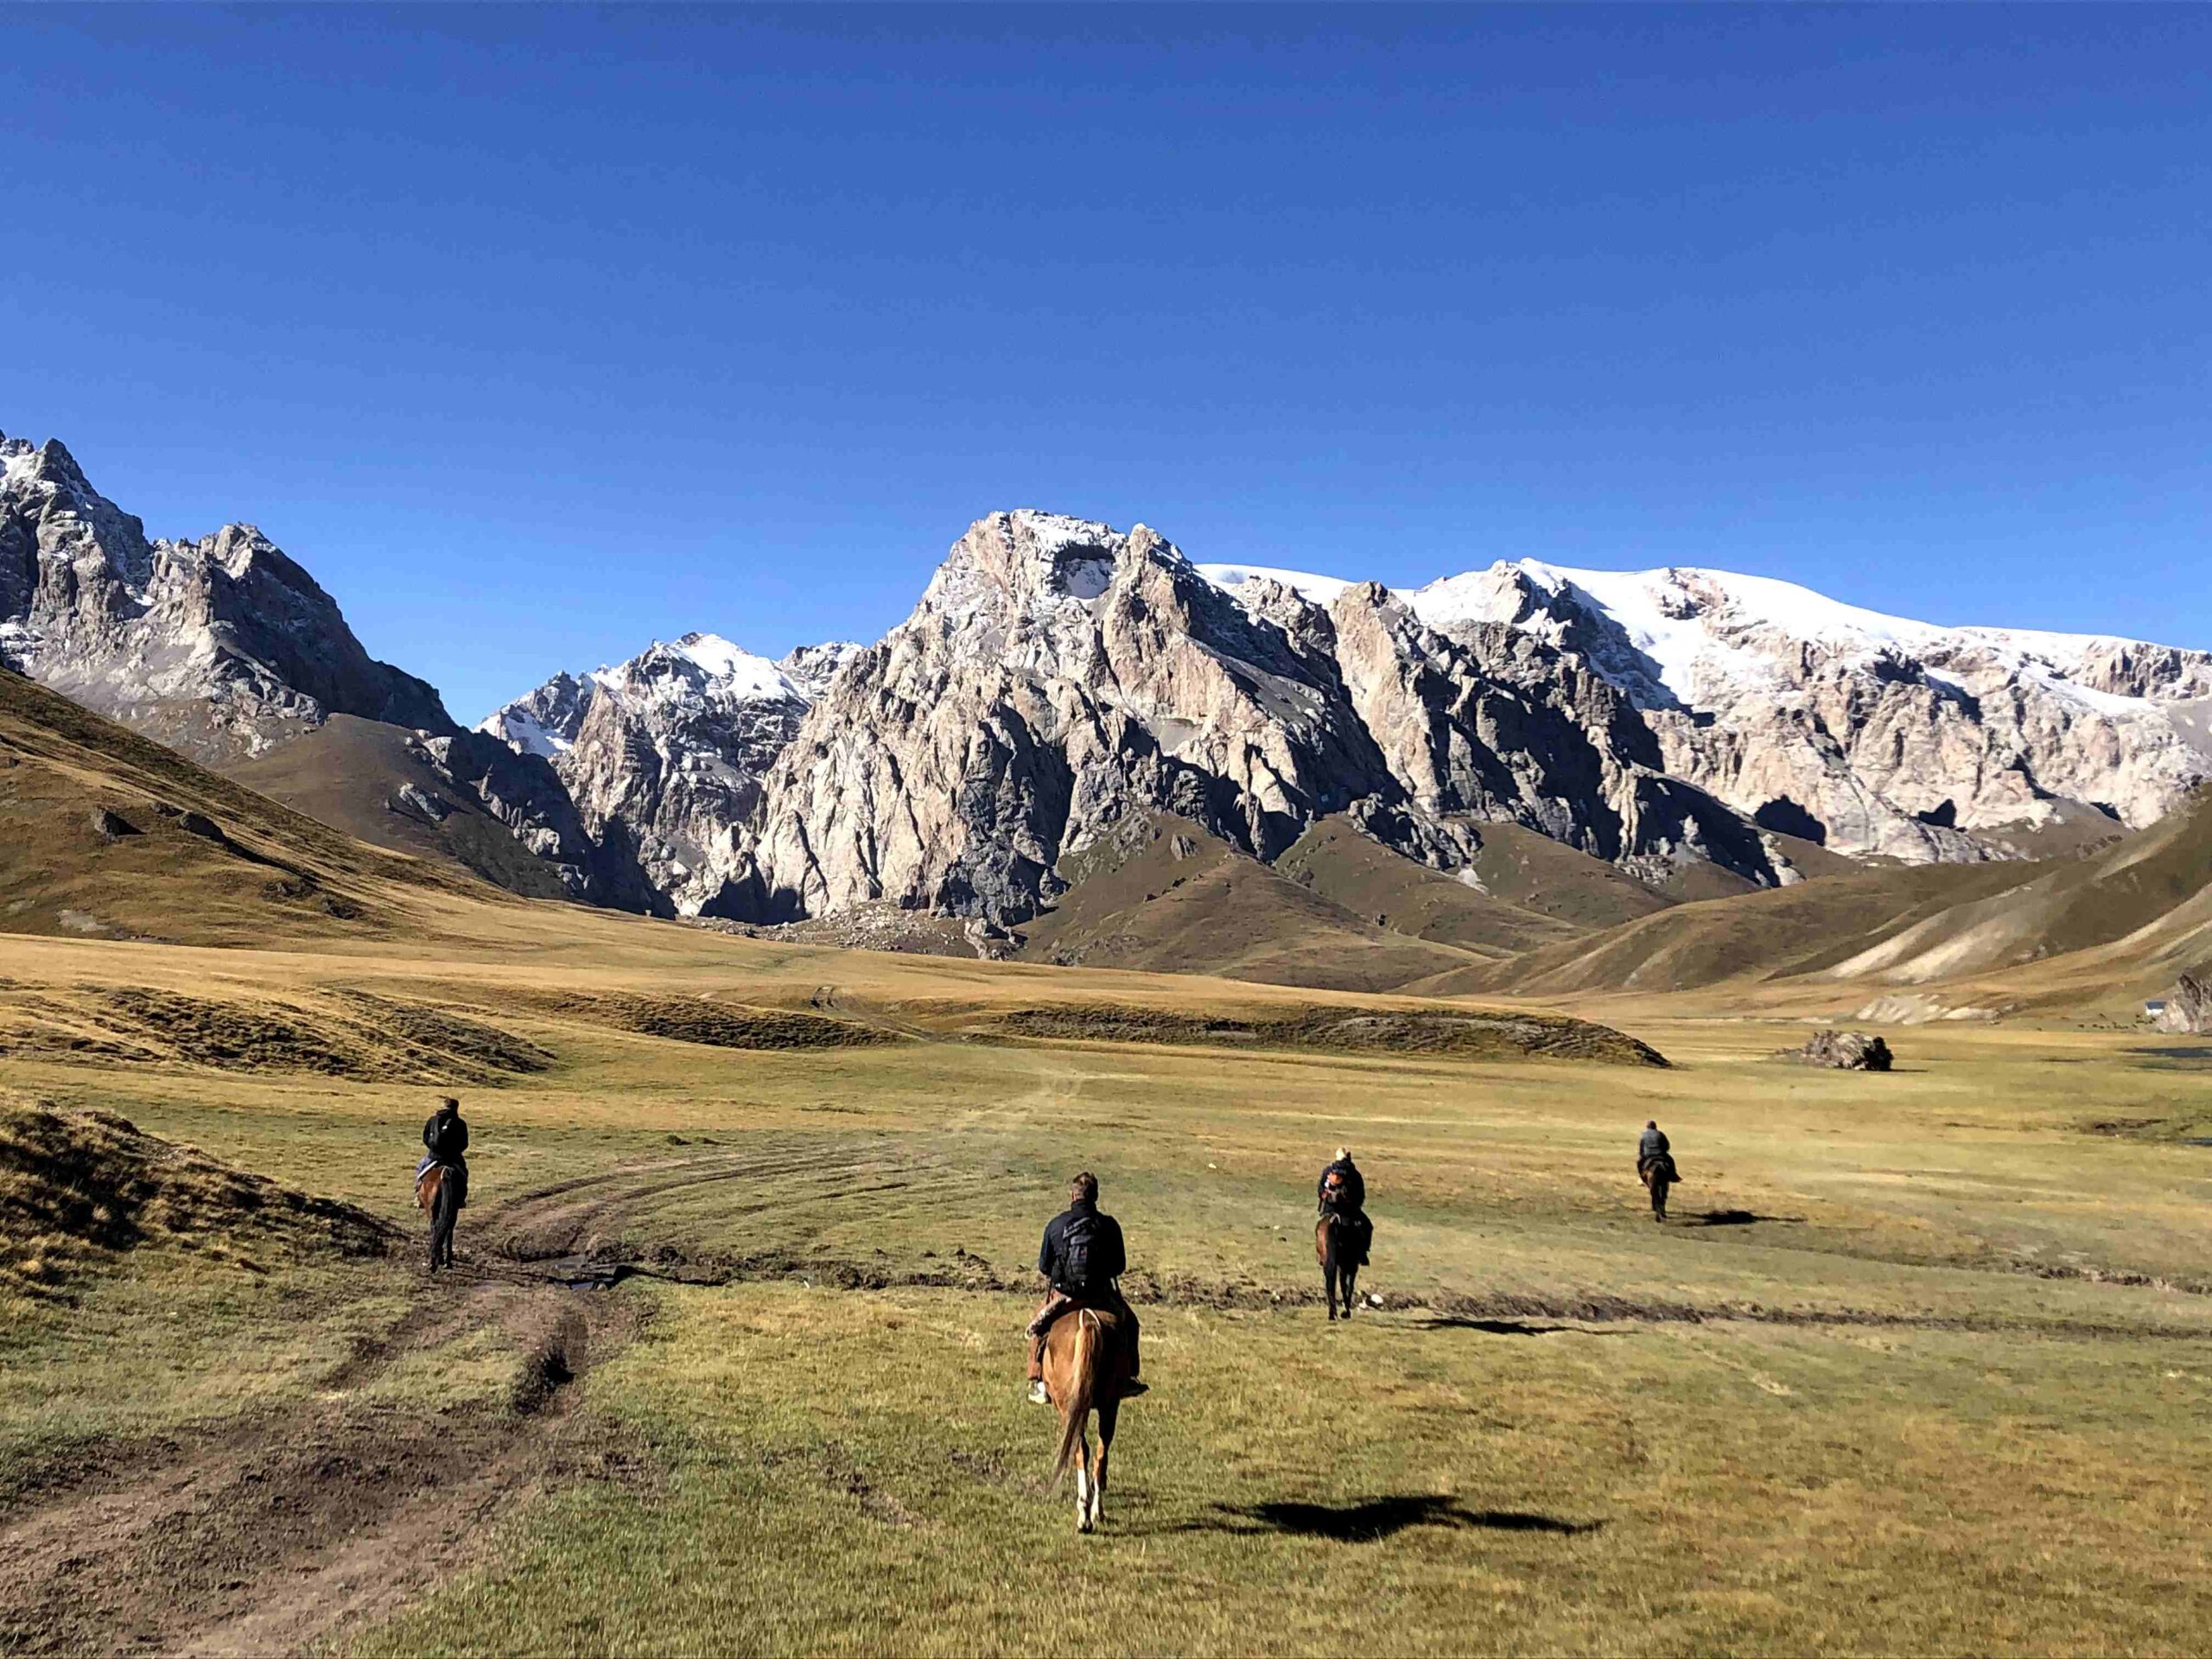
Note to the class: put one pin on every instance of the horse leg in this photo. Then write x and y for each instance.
(1107, 1413)
(1083, 1488)
(1351, 1281)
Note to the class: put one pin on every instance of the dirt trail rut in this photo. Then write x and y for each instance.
(272, 1532)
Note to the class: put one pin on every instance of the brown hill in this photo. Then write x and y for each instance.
(1163, 894)
(1536, 873)
(1801, 929)
(1334, 861)
(106, 834)
(361, 776)
(2141, 909)
(76, 1188)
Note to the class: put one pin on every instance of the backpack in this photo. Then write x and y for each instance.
(1075, 1251)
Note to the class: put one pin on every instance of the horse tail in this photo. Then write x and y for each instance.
(1081, 1389)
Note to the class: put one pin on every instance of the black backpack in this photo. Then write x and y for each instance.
(1075, 1251)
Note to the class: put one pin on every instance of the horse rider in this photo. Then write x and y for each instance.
(1651, 1148)
(1081, 1257)
(1342, 1189)
(446, 1140)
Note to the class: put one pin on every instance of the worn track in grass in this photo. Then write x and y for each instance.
(288, 1528)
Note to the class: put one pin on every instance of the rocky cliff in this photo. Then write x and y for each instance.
(1867, 732)
(1058, 676)
(669, 747)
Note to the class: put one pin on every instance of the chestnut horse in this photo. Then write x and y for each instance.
(1336, 1246)
(435, 1194)
(1085, 1364)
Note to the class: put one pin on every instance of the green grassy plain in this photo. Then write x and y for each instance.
(1924, 1364)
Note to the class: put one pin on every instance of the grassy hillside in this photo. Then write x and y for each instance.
(2147, 891)
(1334, 860)
(1767, 934)
(1163, 895)
(106, 834)
(345, 773)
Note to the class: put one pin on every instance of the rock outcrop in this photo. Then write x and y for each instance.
(1870, 734)
(1842, 1051)
(219, 647)
(2189, 1010)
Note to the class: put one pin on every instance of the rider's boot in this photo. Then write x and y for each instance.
(1037, 1395)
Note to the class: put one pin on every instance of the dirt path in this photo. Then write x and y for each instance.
(270, 1533)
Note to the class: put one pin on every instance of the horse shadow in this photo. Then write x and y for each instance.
(1508, 1327)
(1368, 1520)
(1734, 1218)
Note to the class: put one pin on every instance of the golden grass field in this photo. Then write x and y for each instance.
(1923, 1363)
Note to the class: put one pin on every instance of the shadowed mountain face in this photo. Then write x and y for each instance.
(228, 651)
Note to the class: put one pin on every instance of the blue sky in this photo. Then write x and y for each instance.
(538, 333)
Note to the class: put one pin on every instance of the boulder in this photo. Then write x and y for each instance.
(2189, 1010)
(1842, 1051)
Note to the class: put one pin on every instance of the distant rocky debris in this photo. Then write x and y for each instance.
(1842, 1051)
(2188, 1011)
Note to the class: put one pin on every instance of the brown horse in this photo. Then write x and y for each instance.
(434, 1194)
(1085, 1365)
(1658, 1174)
(1336, 1246)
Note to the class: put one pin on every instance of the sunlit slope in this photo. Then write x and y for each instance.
(106, 834)
(1766, 935)
(348, 773)
(2141, 903)
(1337, 862)
(1165, 894)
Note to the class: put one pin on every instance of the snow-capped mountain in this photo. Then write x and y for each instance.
(227, 650)
(668, 748)
(1873, 733)
(1059, 677)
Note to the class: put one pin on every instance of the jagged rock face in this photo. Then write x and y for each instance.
(2189, 1010)
(1494, 724)
(220, 647)
(1059, 677)
(669, 749)
(1871, 734)
(1056, 676)
(226, 649)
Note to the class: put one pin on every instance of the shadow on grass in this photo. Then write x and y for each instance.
(1734, 1218)
(1510, 1327)
(1367, 1520)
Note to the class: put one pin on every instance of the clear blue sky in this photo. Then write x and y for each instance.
(537, 333)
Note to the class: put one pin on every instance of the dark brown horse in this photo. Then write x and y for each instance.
(1336, 1246)
(1658, 1175)
(435, 1191)
(1086, 1362)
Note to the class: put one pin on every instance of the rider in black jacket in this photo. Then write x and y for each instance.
(1349, 1198)
(1081, 1257)
(446, 1139)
